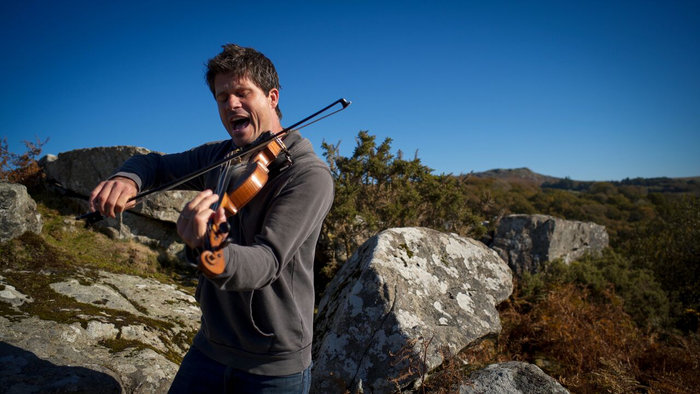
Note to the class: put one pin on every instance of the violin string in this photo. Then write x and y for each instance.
(224, 173)
(225, 169)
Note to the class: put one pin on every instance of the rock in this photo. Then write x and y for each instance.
(165, 206)
(525, 242)
(154, 233)
(18, 212)
(91, 329)
(512, 377)
(152, 222)
(23, 372)
(404, 296)
(80, 170)
(10, 295)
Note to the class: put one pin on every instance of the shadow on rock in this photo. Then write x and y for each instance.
(22, 371)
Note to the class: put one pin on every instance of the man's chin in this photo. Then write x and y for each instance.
(242, 139)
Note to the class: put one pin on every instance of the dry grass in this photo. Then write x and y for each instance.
(595, 347)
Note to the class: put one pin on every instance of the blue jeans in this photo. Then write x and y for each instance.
(200, 374)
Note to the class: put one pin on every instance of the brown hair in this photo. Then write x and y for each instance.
(244, 62)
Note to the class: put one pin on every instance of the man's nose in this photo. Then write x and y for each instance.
(233, 102)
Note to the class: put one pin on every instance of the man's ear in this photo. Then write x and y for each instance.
(273, 97)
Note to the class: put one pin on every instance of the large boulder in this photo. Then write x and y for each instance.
(406, 296)
(525, 242)
(91, 331)
(151, 222)
(18, 212)
(511, 377)
(80, 170)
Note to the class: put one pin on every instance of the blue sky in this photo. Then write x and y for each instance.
(592, 90)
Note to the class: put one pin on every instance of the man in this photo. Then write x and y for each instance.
(257, 315)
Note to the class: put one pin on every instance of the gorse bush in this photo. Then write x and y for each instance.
(644, 300)
(669, 247)
(376, 190)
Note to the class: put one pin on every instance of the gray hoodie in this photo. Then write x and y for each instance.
(257, 315)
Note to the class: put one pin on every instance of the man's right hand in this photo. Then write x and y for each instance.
(112, 196)
(192, 225)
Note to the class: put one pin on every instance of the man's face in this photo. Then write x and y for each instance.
(245, 110)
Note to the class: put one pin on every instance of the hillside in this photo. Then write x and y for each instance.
(650, 185)
(523, 174)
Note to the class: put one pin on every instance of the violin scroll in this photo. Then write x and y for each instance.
(211, 261)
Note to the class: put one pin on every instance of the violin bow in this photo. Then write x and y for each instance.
(92, 217)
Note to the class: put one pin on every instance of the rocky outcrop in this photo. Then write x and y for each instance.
(404, 296)
(89, 330)
(151, 222)
(512, 377)
(525, 242)
(154, 233)
(80, 170)
(18, 212)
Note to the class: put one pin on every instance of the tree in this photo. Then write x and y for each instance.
(21, 168)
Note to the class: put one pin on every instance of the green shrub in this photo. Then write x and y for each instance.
(643, 297)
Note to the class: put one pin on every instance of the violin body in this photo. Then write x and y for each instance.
(248, 185)
(252, 181)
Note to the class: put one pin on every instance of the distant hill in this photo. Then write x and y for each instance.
(523, 174)
(652, 185)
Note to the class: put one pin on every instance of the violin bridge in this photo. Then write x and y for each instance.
(287, 155)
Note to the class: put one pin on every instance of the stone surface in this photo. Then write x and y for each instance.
(525, 242)
(18, 212)
(512, 377)
(151, 232)
(80, 170)
(92, 329)
(151, 222)
(406, 294)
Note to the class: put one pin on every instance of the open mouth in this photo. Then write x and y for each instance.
(240, 123)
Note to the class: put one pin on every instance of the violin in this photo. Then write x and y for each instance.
(211, 260)
(262, 153)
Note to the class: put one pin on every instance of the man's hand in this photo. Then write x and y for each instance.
(112, 196)
(192, 223)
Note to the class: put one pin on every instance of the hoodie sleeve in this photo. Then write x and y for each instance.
(154, 169)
